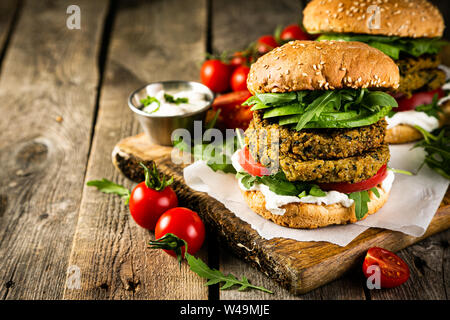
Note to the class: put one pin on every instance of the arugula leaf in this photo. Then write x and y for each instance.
(344, 108)
(107, 186)
(279, 184)
(315, 109)
(276, 98)
(361, 198)
(171, 242)
(169, 98)
(214, 276)
(433, 109)
(393, 46)
(316, 191)
(437, 147)
(375, 192)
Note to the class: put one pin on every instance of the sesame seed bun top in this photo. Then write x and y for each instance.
(403, 18)
(323, 65)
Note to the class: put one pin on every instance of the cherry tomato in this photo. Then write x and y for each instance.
(265, 44)
(252, 167)
(346, 187)
(232, 113)
(293, 32)
(185, 224)
(393, 270)
(238, 59)
(239, 78)
(147, 205)
(418, 99)
(216, 75)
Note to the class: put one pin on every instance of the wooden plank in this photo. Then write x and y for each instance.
(298, 266)
(429, 265)
(8, 12)
(236, 24)
(49, 71)
(151, 41)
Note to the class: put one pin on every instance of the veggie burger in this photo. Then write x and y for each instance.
(315, 152)
(410, 33)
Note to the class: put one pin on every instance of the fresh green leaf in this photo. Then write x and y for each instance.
(315, 109)
(107, 186)
(148, 101)
(376, 192)
(317, 192)
(345, 108)
(437, 147)
(361, 198)
(393, 46)
(433, 109)
(170, 99)
(214, 276)
(154, 179)
(276, 98)
(279, 184)
(401, 171)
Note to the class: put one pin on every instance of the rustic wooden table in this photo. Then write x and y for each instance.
(63, 107)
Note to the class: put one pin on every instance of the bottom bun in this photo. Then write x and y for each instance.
(311, 216)
(402, 133)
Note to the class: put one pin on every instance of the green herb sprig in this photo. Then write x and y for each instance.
(107, 186)
(279, 184)
(148, 101)
(433, 109)
(170, 99)
(171, 242)
(437, 147)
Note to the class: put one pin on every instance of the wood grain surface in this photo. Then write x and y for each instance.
(108, 247)
(49, 71)
(63, 107)
(298, 266)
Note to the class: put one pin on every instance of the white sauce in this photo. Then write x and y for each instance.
(413, 118)
(274, 202)
(445, 87)
(420, 119)
(196, 101)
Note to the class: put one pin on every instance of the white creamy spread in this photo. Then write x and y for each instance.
(274, 202)
(413, 118)
(196, 101)
(445, 87)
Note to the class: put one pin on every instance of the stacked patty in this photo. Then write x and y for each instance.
(318, 125)
(319, 155)
(420, 74)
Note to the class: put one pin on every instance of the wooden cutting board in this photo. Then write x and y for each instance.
(297, 266)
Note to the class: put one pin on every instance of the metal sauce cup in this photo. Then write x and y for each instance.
(159, 128)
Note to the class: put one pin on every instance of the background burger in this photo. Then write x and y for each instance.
(410, 33)
(315, 151)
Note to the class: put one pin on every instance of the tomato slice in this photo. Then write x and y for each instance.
(252, 167)
(418, 99)
(393, 270)
(346, 187)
